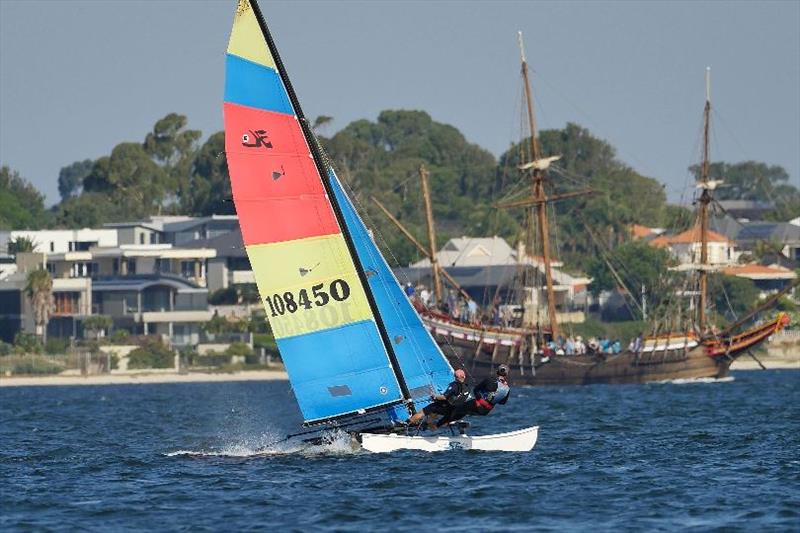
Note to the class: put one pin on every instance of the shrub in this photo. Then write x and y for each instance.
(152, 353)
(27, 343)
(120, 336)
(212, 359)
(228, 296)
(239, 348)
(29, 364)
(56, 346)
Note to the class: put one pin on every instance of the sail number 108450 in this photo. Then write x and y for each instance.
(280, 304)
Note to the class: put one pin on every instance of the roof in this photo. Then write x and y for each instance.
(782, 232)
(754, 271)
(638, 231)
(183, 225)
(227, 245)
(689, 236)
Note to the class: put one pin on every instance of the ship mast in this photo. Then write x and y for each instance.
(539, 196)
(705, 199)
(426, 195)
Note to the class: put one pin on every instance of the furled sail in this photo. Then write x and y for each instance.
(338, 360)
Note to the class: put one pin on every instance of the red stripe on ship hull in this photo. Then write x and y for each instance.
(277, 189)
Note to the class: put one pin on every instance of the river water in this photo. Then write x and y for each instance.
(701, 455)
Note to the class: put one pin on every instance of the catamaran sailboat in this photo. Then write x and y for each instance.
(359, 358)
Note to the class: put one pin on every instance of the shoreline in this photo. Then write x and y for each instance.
(143, 378)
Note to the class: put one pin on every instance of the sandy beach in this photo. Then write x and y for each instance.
(141, 378)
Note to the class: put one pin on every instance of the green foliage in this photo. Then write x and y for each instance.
(98, 323)
(740, 293)
(21, 204)
(6, 349)
(70, 178)
(120, 336)
(209, 190)
(27, 343)
(212, 359)
(219, 324)
(637, 263)
(753, 180)
(20, 245)
(56, 345)
(226, 296)
(152, 353)
(239, 348)
(266, 341)
(382, 159)
(29, 365)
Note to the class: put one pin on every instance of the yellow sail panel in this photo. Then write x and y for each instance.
(246, 39)
(308, 285)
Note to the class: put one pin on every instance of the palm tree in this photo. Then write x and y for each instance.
(21, 244)
(39, 290)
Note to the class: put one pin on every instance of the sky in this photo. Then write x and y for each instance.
(79, 77)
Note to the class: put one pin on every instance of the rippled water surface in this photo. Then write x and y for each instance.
(181, 456)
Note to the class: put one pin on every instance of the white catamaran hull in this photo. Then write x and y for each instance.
(522, 440)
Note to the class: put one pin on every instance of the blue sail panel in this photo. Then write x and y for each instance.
(250, 84)
(339, 371)
(422, 363)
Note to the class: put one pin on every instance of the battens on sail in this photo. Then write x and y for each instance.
(424, 367)
(313, 296)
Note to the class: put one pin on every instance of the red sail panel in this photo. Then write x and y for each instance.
(278, 193)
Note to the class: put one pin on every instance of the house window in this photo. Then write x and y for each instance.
(66, 303)
(152, 238)
(141, 238)
(52, 246)
(51, 268)
(187, 269)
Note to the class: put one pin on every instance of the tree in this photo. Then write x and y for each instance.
(209, 191)
(636, 262)
(321, 121)
(98, 325)
(625, 197)
(20, 245)
(133, 183)
(39, 289)
(21, 204)
(173, 147)
(70, 178)
(757, 181)
(731, 295)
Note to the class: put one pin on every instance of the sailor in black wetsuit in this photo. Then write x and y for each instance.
(488, 393)
(456, 394)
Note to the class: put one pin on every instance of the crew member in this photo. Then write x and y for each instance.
(488, 393)
(456, 394)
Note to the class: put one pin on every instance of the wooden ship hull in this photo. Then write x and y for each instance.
(668, 357)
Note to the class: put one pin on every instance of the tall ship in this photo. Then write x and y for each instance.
(683, 345)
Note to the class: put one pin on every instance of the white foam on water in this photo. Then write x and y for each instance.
(692, 381)
(267, 444)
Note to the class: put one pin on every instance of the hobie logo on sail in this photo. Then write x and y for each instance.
(256, 139)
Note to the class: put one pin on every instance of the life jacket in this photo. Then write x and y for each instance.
(497, 396)
(461, 395)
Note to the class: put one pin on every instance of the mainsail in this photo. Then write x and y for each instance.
(348, 343)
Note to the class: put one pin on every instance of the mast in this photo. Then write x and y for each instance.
(323, 173)
(426, 195)
(539, 196)
(705, 199)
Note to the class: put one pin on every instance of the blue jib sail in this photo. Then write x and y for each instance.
(424, 367)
